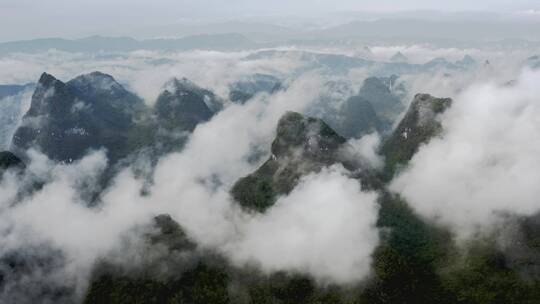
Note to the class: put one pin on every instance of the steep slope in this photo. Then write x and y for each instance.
(384, 94)
(67, 119)
(417, 127)
(357, 117)
(183, 105)
(178, 110)
(302, 145)
(97, 44)
(373, 108)
(8, 160)
(244, 89)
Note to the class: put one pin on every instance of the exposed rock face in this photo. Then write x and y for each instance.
(183, 105)
(354, 114)
(302, 145)
(417, 127)
(357, 118)
(103, 91)
(245, 89)
(8, 160)
(384, 94)
(94, 111)
(65, 120)
(170, 234)
(178, 110)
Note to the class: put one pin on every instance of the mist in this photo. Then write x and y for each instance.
(483, 165)
(350, 221)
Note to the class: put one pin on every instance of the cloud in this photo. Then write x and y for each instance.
(193, 187)
(364, 151)
(145, 72)
(12, 109)
(325, 227)
(486, 162)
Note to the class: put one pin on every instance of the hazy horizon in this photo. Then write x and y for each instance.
(67, 19)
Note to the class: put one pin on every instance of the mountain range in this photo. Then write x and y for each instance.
(67, 119)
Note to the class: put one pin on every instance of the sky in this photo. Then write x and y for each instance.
(27, 19)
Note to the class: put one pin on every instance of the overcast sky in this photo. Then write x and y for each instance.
(25, 19)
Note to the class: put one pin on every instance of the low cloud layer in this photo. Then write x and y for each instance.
(486, 162)
(324, 228)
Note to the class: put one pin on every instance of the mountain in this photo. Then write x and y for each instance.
(444, 32)
(356, 118)
(225, 41)
(372, 109)
(246, 88)
(8, 160)
(337, 64)
(254, 30)
(179, 108)
(183, 105)
(399, 57)
(96, 44)
(65, 120)
(332, 63)
(440, 63)
(384, 94)
(417, 127)
(94, 111)
(302, 145)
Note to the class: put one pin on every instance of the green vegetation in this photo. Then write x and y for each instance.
(406, 262)
(419, 125)
(302, 145)
(484, 276)
(202, 285)
(416, 261)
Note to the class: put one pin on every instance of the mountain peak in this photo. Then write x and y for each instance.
(72, 116)
(399, 58)
(302, 145)
(96, 81)
(427, 107)
(46, 79)
(176, 85)
(183, 105)
(313, 135)
(417, 127)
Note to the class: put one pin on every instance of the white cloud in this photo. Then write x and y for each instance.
(193, 187)
(364, 150)
(486, 162)
(325, 227)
